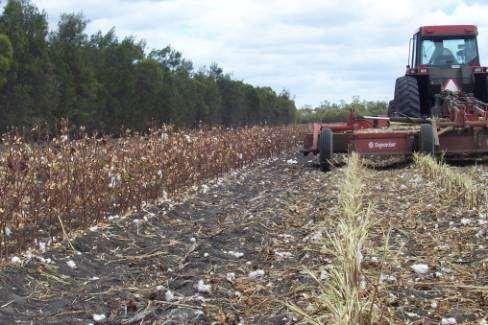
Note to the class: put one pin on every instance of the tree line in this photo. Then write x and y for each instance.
(107, 84)
(328, 112)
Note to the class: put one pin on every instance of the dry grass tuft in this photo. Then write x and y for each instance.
(456, 185)
(343, 296)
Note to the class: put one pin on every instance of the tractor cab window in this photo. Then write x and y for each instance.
(448, 52)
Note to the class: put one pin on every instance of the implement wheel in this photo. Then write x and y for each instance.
(326, 146)
(426, 140)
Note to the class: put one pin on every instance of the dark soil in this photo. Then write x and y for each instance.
(125, 268)
(270, 218)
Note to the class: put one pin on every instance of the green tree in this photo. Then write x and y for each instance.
(74, 72)
(108, 85)
(6, 54)
(29, 91)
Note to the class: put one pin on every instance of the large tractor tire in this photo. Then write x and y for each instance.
(407, 98)
(326, 149)
(391, 108)
(426, 140)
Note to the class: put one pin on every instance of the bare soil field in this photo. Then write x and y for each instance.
(243, 248)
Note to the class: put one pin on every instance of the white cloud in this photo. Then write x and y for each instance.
(317, 49)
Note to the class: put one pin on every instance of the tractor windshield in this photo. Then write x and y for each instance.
(448, 52)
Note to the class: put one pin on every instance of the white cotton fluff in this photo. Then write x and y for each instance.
(230, 277)
(324, 275)
(8, 232)
(235, 254)
(292, 162)
(44, 260)
(449, 321)
(99, 317)
(256, 274)
(420, 268)
(15, 260)
(283, 255)
(169, 296)
(385, 278)
(203, 288)
(42, 246)
(71, 264)
(315, 237)
(465, 221)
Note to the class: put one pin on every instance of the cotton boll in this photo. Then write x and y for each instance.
(203, 288)
(42, 246)
(231, 277)
(15, 260)
(71, 264)
(449, 321)
(99, 317)
(236, 254)
(169, 296)
(256, 274)
(113, 217)
(420, 268)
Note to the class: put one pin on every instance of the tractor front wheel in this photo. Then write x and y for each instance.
(326, 146)
(426, 138)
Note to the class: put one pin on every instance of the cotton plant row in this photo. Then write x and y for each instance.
(73, 184)
(457, 185)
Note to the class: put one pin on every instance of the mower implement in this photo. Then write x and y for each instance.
(439, 106)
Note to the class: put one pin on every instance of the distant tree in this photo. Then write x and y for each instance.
(29, 91)
(6, 54)
(332, 112)
(109, 85)
(75, 74)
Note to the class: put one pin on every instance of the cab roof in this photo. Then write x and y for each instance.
(448, 30)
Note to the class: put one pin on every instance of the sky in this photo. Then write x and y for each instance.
(316, 49)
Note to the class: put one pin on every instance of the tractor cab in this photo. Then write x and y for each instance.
(440, 58)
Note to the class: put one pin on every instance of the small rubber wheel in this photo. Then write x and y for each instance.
(426, 139)
(325, 149)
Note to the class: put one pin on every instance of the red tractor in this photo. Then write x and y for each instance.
(442, 96)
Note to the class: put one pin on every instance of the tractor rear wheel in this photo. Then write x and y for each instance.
(326, 150)
(391, 108)
(407, 98)
(426, 138)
